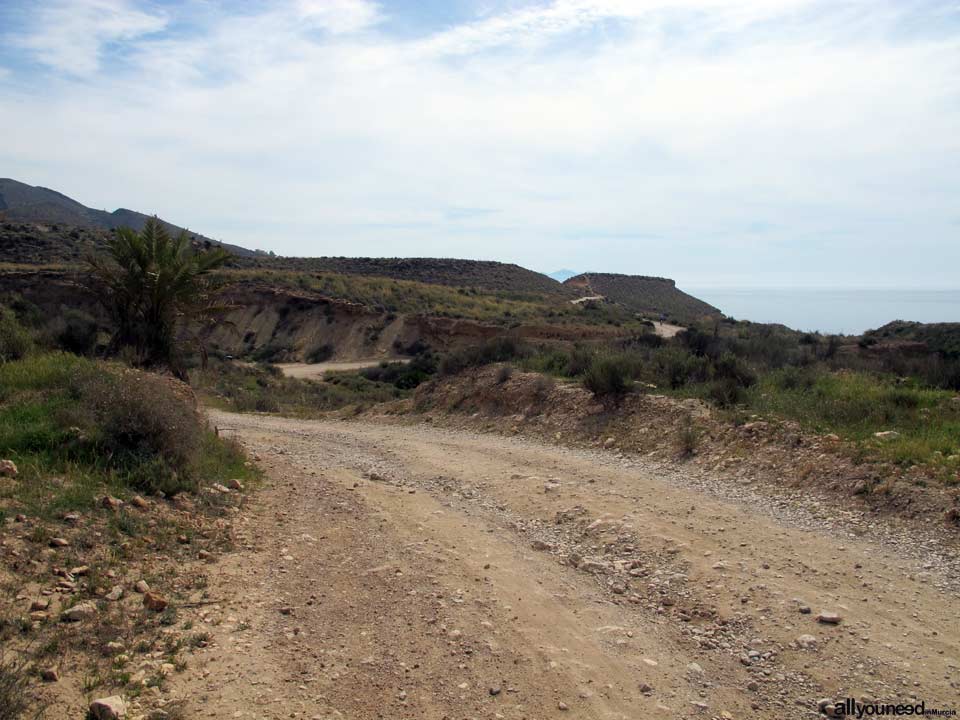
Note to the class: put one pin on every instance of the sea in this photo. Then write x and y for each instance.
(837, 311)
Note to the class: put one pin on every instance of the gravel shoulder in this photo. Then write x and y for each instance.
(413, 571)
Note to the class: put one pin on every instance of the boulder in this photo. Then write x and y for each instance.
(8, 468)
(108, 708)
(79, 612)
(152, 601)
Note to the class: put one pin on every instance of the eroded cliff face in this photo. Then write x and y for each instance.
(286, 325)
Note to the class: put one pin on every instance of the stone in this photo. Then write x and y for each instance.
(695, 668)
(495, 690)
(59, 542)
(609, 442)
(806, 642)
(41, 604)
(562, 706)
(541, 545)
(141, 587)
(111, 503)
(8, 468)
(886, 435)
(80, 570)
(79, 612)
(139, 502)
(235, 484)
(218, 487)
(155, 602)
(115, 594)
(20, 518)
(804, 609)
(829, 618)
(49, 675)
(108, 708)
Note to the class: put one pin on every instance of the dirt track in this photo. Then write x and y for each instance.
(415, 572)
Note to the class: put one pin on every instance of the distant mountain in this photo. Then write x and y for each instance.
(24, 203)
(561, 275)
(653, 297)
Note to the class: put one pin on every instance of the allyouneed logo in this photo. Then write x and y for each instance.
(854, 709)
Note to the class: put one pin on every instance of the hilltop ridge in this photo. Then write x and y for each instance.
(24, 203)
(645, 295)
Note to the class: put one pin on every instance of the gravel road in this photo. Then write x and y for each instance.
(397, 571)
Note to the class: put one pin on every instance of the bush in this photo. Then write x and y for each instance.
(498, 349)
(726, 392)
(143, 426)
(687, 438)
(270, 353)
(79, 333)
(606, 378)
(15, 697)
(15, 340)
(320, 354)
(729, 367)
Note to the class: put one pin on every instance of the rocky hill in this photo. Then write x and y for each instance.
(22, 203)
(649, 296)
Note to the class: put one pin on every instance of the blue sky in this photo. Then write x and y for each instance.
(719, 142)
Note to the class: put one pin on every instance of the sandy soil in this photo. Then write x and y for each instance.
(416, 572)
(308, 371)
(666, 329)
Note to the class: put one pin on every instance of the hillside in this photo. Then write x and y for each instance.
(22, 203)
(481, 274)
(941, 338)
(651, 296)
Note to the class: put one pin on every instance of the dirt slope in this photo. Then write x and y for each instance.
(415, 572)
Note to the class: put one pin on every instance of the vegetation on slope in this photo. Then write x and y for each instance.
(649, 296)
(436, 300)
(769, 371)
(479, 274)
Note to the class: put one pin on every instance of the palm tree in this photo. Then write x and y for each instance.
(160, 292)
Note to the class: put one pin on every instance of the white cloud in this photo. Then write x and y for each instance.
(69, 35)
(340, 16)
(702, 137)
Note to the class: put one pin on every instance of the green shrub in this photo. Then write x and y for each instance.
(687, 438)
(16, 700)
(143, 426)
(607, 377)
(726, 392)
(78, 333)
(320, 354)
(15, 340)
(271, 353)
(498, 349)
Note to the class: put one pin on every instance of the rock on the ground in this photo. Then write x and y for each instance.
(79, 612)
(153, 601)
(108, 708)
(8, 468)
(830, 618)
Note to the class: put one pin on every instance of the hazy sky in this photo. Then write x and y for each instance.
(714, 141)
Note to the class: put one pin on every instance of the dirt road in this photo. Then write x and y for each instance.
(393, 571)
(315, 371)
